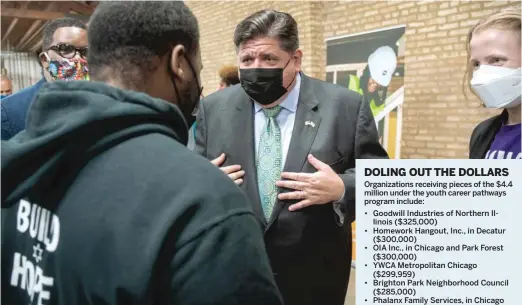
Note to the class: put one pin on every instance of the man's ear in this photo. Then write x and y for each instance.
(176, 59)
(44, 59)
(298, 56)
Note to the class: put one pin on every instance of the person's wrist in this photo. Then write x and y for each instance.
(340, 190)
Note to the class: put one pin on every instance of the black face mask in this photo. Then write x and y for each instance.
(188, 101)
(264, 85)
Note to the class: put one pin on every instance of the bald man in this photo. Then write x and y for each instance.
(6, 86)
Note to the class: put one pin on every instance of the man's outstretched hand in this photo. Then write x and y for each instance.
(234, 172)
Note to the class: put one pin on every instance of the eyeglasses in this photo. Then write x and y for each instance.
(68, 51)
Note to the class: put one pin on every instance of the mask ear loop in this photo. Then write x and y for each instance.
(200, 88)
(178, 96)
(46, 56)
(195, 111)
(48, 59)
(295, 74)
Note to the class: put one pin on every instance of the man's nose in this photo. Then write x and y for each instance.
(258, 63)
(77, 55)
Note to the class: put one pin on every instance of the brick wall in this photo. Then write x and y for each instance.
(396, 83)
(438, 119)
(218, 19)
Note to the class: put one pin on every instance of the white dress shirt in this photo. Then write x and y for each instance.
(285, 120)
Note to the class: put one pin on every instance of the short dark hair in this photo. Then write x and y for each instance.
(124, 37)
(229, 75)
(56, 24)
(269, 23)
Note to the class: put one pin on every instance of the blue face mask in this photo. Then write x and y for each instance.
(3, 96)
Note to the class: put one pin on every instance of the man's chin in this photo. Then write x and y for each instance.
(271, 105)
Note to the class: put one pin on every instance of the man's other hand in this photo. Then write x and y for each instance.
(321, 187)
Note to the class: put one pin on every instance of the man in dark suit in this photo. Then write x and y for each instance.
(290, 142)
(63, 58)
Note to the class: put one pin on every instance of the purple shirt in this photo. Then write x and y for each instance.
(507, 144)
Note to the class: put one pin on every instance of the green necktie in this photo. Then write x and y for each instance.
(269, 158)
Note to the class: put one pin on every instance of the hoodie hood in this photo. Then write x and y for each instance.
(68, 124)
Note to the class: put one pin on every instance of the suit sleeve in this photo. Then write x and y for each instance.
(200, 146)
(225, 264)
(366, 146)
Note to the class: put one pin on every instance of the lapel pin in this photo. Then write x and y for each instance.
(310, 123)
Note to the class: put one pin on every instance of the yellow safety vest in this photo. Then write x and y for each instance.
(355, 85)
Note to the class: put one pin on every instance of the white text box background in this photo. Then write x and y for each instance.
(491, 265)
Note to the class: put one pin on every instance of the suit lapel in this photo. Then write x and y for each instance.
(243, 149)
(306, 124)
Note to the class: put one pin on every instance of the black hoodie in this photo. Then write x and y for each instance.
(103, 204)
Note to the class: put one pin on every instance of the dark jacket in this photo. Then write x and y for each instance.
(309, 252)
(484, 134)
(105, 205)
(15, 108)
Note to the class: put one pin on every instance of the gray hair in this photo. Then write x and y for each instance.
(269, 23)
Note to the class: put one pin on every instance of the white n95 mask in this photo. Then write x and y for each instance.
(497, 87)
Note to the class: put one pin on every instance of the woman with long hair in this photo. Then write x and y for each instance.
(494, 76)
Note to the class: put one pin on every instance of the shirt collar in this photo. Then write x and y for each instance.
(290, 101)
